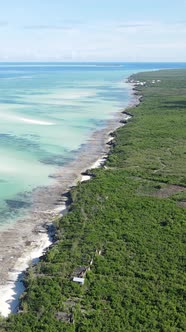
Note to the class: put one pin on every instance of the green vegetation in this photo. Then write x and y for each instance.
(129, 222)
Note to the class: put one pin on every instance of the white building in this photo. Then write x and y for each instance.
(79, 280)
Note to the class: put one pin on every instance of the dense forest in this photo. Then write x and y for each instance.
(125, 230)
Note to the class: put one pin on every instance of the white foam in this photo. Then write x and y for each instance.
(38, 122)
(6, 168)
(16, 77)
(11, 117)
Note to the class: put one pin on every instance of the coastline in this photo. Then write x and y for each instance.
(37, 238)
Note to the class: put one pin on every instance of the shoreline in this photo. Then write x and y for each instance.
(38, 239)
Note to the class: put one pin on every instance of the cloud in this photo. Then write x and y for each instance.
(48, 27)
(3, 24)
(66, 24)
(133, 25)
(111, 40)
(72, 22)
(180, 23)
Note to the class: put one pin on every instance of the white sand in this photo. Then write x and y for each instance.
(85, 178)
(60, 209)
(10, 293)
(98, 163)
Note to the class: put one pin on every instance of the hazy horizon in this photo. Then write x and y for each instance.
(130, 31)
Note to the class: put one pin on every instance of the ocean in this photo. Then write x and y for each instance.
(47, 111)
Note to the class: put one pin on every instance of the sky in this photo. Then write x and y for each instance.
(93, 30)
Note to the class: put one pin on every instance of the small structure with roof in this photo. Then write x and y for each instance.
(80, 271)
(79, 280)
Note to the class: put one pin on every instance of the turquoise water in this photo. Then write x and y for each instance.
(47, 111)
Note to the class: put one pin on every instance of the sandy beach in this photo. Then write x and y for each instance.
(24, 242)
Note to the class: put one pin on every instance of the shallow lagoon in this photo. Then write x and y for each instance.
(47, 111)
